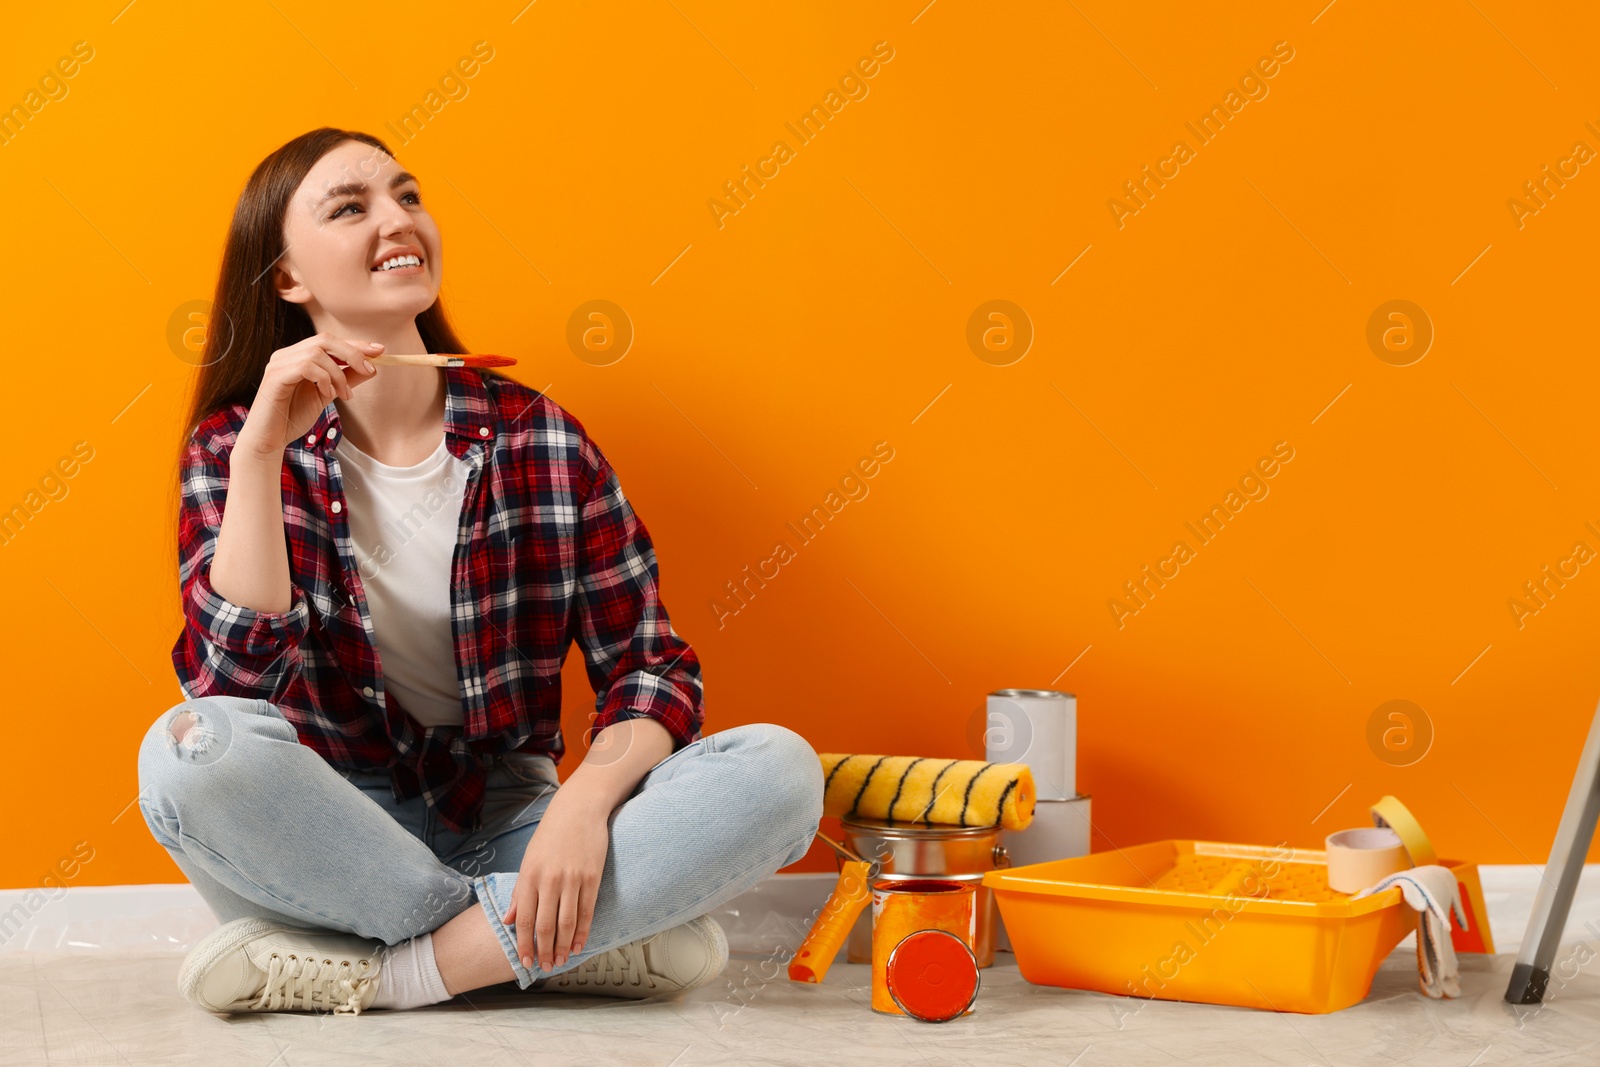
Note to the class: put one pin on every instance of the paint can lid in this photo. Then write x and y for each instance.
(932, 975)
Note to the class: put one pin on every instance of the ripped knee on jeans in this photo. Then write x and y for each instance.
(189, 733)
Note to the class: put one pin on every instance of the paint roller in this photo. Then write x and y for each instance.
(918, 789)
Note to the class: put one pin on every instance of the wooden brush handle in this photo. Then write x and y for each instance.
(411, 359)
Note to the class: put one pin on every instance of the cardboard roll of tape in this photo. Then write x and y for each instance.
(1364, 857)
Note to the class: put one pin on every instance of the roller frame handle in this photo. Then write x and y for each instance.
(827, 935)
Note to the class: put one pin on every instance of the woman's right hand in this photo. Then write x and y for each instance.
(298, 383)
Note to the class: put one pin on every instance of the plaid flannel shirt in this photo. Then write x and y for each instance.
(548, 549)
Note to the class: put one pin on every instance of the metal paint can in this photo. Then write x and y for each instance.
(1038, 727)
(902, 907)
(907, 852)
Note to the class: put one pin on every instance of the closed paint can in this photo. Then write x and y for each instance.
(1038, 727)
(1059, 830)
(902, 907)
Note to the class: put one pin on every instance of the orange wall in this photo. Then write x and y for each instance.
(1228, 314)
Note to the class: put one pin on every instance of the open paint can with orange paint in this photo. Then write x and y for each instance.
(922, 960)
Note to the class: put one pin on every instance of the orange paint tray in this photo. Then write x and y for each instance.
(1202, 921)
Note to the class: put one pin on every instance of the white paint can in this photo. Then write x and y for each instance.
(1038, 727)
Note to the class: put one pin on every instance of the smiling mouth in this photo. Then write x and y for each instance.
(408, 268)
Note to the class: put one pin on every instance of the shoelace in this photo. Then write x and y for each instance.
(624, 965)
(314, 984)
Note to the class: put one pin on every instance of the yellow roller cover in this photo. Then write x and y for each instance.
(926, 790)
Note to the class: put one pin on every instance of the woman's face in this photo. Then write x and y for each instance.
(355, 210)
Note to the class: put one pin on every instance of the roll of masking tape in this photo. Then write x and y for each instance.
(1394, 815)
(1361, 858)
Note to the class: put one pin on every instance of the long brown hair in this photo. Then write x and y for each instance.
(249, 320)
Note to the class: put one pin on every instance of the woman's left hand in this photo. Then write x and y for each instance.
(558, 883)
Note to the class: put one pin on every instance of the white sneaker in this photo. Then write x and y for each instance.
(671, 961)
(255, 964)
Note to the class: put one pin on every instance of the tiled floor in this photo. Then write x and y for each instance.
(121, 1007)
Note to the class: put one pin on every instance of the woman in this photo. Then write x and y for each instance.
(382, 571)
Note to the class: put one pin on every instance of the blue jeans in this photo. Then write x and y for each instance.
(263, 826)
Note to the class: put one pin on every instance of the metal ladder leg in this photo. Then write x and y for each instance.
(1553, 901)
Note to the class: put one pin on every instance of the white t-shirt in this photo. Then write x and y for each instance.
(403, 521)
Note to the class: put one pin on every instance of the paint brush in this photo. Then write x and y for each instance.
(439, 359)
